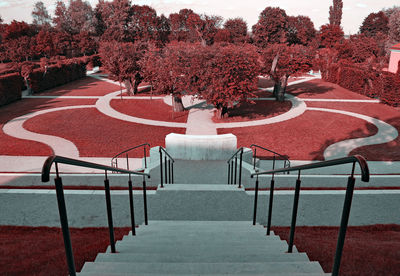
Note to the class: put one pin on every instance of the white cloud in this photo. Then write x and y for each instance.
(4, 4)
(361, 5)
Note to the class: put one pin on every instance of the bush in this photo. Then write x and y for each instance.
(390, 93)
(10, 88)
(352, 79)
(70, 70)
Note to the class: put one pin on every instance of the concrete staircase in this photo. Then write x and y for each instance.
(201, 248)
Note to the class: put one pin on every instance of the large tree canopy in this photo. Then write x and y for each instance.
(335, 12)
(375, 23)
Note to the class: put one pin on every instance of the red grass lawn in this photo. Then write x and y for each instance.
(149, 109)
(84, 87)
(97, 135)
(383, 152)
(305, 137)
(319, 89)
(368, 250)
(256, 111)
(40, 250)
(14, 146)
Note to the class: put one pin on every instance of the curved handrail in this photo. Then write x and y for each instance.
(165, 151)
(75, 162)
(339, 161)
(240, 149)
(285, 157)
(117, 155)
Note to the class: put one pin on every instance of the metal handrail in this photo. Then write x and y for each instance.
(169, 167)
(285, 157)
(346, 206)
(115, 161)
(55, 159)
(231, 164)
(340, 161)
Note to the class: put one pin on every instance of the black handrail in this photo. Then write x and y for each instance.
(114, 160)
(347, 202)
(169, 167)
(232, 179)
(284, 157)
(62, 207)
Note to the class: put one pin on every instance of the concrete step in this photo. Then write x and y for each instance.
(196, 274)
(199, 249)
(173, 242)
(209, 171)
(284, 268)
(227, 257)
(198, 236)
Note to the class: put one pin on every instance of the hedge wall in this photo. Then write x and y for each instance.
(371, 83)
(56, 75)
(10, 88)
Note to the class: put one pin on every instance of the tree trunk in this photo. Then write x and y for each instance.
(277, 86)
(222, 112)
(177, 103)
(128, 87)
(280, 95)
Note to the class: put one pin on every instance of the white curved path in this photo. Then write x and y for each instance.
(386, 133)
(60, 146)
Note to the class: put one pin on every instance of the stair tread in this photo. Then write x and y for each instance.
(203, 268)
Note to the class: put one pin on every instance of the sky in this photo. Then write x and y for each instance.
(354, 11)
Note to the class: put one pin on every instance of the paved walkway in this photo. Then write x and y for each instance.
(199, 121)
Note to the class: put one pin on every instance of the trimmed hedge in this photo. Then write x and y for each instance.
(57, 75)
(10, 88)
(368, 82)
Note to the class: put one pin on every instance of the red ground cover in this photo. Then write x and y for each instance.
(97, 135)
(382, 152)
(14, 146)
(255, 111)
(40, 250)
(149, 109)
(319, 89)
(84, 87)
(368, 250)
(304, 137)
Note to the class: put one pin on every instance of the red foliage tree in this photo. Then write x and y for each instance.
(44, 44)
(300, 30)
(121, 60)
(63, 42)
(163, 31)
(270, 28)
(81, 16)
(281, 61)
(228, 75)
(61, 18)
(19, 49)
(180, 31)
(394, 25)
(144, 22)
(375, 23)
(85, 43)
(237, 28)
(329, 35)
(223, 35)
(335, 13)
(17, 29)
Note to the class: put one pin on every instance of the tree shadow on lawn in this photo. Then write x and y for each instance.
(257, 110)
(318, 155)
(309, 88)
(80, 84)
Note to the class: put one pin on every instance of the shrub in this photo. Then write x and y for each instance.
(42, 79)
(390, 93)
(10, 88)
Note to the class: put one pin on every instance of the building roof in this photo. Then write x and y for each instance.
(395, 47)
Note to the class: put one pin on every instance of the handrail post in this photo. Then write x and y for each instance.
(229, 173)
(145, 158)
(254, 158)
(109, 213)
(271, 200)
(240, 168)
(161, 170)
(235, 169)
(255, 203)
(294, 213)
(127, 162)
(165, 169)
(343, 225)
(145, 201)
(172, 172)
(131, 207)
(62, 210)
(169, 171)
